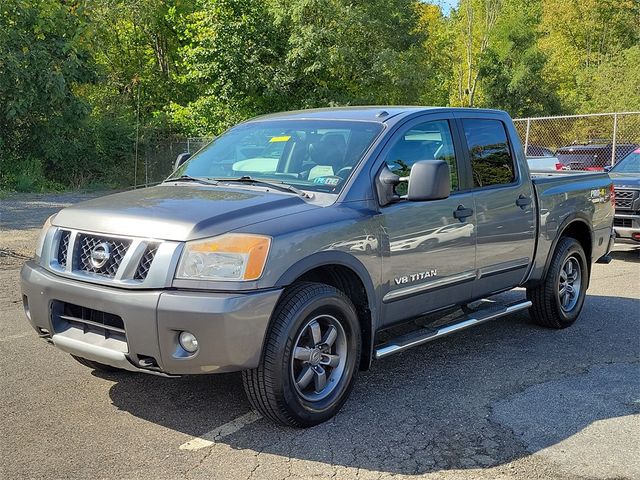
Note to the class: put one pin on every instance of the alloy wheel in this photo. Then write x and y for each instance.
(569, 283)
(319, 357)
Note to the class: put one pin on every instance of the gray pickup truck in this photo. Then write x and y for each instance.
(300, 246)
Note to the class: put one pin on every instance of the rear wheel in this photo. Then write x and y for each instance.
(310, 357)
(96, 365)
(558, 300)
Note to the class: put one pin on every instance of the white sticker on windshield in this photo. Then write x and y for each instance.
(320, 171)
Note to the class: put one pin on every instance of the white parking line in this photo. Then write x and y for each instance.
(14, 337)
(222, 431)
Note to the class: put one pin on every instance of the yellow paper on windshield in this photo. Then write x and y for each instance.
(284, 138)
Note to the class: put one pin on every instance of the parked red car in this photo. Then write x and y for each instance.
(591, 156)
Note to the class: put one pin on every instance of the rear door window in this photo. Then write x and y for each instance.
(491, 159)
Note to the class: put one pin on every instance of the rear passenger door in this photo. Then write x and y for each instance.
(504, 202)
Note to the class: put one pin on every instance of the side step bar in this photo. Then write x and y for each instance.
(424, 335)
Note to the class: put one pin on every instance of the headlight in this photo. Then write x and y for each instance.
(233, 256)
(43, 234)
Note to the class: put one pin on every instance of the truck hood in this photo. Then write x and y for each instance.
(631, 180)
(179, 212)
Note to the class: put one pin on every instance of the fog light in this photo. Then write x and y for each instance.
(188, 341)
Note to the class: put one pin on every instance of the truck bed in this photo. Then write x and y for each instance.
(564, 196)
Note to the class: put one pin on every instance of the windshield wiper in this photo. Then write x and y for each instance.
(188, 178)
(276, 185)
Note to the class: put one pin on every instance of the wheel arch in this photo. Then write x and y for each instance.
(349, 275)
(578, 228)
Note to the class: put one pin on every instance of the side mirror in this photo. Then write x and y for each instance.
(429, 180)
(385, 185)
(183, 157)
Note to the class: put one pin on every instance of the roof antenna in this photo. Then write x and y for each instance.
(382, 113)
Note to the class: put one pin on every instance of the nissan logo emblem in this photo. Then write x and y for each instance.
(100, 255)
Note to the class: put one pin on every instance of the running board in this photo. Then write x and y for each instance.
(424, 335)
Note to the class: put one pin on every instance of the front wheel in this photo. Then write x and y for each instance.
(558, 300)
(310, 357)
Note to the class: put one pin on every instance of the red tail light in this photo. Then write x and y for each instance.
(594, 169)
(612, 195)
(558, 166)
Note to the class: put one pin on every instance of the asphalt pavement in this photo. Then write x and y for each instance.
(504, 400)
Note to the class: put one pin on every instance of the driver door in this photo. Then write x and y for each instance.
(431, 257)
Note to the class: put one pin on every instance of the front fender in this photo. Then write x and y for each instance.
(333, 257)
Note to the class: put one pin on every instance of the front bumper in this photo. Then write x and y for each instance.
(625, 226)
(230, 327)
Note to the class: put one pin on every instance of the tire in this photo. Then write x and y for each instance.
(288, 386)
(96, 365)
(550, 308)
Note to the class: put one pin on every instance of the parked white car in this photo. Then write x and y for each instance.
(544, 163)
(444, 234)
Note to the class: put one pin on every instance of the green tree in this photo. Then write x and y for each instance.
(615, 86)
(437, 84)
(512, 69)
(341, 52)
(230, 57)
(136, 50)
(580, 36)
(243, 58)
(473, 24)
(44, 54)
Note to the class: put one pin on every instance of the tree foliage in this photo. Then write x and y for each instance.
(43, 55)
(244, 58)
(83, 81)
(580, 37)
(511, 69)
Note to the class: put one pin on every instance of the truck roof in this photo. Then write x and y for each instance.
(373, 113)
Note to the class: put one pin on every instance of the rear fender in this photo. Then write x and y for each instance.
(576, 217)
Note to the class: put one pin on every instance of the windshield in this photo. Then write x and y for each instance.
(316, 155)
(629, 164)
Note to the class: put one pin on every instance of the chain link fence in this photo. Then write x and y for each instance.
(156, 156)
(581, 142)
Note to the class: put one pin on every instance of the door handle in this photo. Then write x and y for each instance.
(461, 212)
(523, 201)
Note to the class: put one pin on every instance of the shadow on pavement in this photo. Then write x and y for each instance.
(461, 402)
(630, 255)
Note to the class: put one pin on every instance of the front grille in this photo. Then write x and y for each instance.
(623, 222)
(126, 261)
(624, 199)
(145, 262)
(87, 243)
(63, 248)
(68, 315)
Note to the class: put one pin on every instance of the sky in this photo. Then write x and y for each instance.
(446, 5)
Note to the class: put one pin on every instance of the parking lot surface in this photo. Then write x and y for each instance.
(504, 400)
